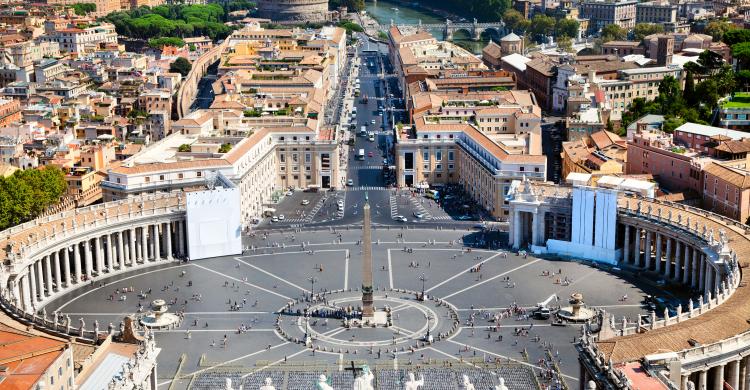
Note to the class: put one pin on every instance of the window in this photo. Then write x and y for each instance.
(161, 177)
(450, 155)
(296, 177)
(180, 175)
(282, 157)
(295, 157)
(198, 174)
(439, 156)
(307, 177)
(426, 156)
(308, 158)
(521, 169)
(450, 166)
(148, 179)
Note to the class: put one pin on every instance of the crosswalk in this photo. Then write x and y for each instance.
(394, 206)
(358, 167)
(366, 188)
(441, 218)
(420, 208)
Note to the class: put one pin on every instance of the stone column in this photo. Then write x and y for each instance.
(668, 260)
(47, 276)
(702, 380)
(677, 260)
(99, 257)
(637, 251)
(132, 253)
(157, 244)
(144, 243)
(626, 245)
(66, 265)
(39, 280)
(87, 258)
(734, 374)
(707, 282)
(717, 279)
(168, 239)
(719, 377)
(647, 250)
(56, 265)
(658, 253)
(32, 283)
(121, 259)
(744, 373)
(181, 238)
(25, 293)
(111, 262)
(696, 269)
(702, 268)
(77, 262)
(686, 263)
(534, 231)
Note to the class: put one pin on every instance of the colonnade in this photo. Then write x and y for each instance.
(98, 255)
(675, 259)
(734, 372)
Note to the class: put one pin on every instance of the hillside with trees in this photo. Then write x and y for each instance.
(172, 21)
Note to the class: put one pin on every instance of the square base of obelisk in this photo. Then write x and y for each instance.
(378, 319)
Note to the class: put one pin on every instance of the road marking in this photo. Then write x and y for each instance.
(120, 280)
(270, 274)
(390, 269)
(492, 278)
(242, 281)
(346, 271)
(509, 358)
(462, 272)
(405, 332)
(212, 330)
(197, 313)
(273, 364)
(224, 363)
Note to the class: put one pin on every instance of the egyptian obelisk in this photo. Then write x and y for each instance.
(367, 312)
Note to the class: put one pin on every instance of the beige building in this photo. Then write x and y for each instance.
(103, 7)
(481, 141)
(601, 153)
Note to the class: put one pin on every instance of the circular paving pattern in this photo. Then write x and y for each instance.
(327, 323)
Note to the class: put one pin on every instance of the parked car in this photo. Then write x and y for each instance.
(305, 202)
(400, 218)
(350, 182)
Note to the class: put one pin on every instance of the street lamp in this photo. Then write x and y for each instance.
(423, 278)
(312, 280)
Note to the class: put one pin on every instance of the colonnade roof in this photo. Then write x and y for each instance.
(22, 236)
(720, 323)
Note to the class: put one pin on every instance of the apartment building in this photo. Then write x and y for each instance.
(726, 191)
(605, 12)
(657, 12)
(634, 83)
(10, 112)
(83, 40)
(103, 7)
(479, 140)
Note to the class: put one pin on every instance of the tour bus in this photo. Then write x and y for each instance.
(432, 194)
(361, 154)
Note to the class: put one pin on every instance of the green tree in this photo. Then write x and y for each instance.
(184, 148)
(565, 44)
(670, 96)
(717, 29)
(513, 19)
(613, 32)
(567, 27)
(159, 43)
(736, 35)
(689, 92)
(642, 30)
(224, 148)
(181, 65)
(542, 25)
(741, 51)
(83, 8)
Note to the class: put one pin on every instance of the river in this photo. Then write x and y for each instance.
(384, 12)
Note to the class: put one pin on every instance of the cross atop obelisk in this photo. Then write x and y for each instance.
(367, 312)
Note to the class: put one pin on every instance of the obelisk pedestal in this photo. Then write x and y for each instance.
(368, 314)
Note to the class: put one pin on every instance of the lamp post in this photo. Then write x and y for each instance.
(312, 280)
(423, 278)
